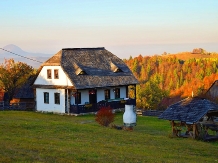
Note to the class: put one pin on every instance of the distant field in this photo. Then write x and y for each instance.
(188, 55)
(37, 137)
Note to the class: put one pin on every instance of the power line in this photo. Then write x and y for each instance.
(20, 55)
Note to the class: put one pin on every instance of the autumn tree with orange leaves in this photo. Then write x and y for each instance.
(173, 77)
(13, 75)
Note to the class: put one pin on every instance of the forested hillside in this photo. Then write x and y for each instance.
(166, 79)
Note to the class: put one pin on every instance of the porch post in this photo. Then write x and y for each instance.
(135, 90)
(127, 91)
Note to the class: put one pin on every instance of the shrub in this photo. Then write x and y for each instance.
(104, 116)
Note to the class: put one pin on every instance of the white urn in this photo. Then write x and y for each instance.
(129, 116)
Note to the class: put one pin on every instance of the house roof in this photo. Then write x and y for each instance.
(26, 90)
(92, 67)
(189, 110)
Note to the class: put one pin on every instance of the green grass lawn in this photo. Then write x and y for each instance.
(38, 137)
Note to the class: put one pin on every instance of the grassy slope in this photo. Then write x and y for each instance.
(37, 137)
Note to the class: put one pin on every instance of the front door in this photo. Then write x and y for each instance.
(93, 96)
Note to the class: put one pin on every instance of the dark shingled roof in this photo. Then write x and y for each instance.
(26, 90)
(189, 110)
(101, 67)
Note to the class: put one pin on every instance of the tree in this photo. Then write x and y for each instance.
(13, 75)
(135, 66)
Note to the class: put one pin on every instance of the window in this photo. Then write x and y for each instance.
(107, 94)
(46, 97)
(118, 70)
(117, 92)
(78, 98)
(49, 73)
(56, 74)
(57, 98)
(82, 73)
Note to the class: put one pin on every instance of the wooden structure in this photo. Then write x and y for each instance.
(24, 95)
(193, 117)
(212, 92)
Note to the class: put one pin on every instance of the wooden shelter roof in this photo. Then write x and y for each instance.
(189, 110)
(98, 66)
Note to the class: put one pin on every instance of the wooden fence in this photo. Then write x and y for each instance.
(152, 112)
(1, 105)
(22, 106)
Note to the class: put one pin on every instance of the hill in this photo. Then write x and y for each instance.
(41, 57)
(168, 78)
(190, 55)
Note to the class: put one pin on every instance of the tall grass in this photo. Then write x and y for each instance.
(37, 137)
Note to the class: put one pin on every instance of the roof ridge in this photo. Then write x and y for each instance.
(180, 101)
(95, 48)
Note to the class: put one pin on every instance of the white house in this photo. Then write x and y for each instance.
(79, 80)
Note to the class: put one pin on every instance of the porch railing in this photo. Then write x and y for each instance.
(77, 109)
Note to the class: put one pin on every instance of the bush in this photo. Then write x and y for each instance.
(104, 116)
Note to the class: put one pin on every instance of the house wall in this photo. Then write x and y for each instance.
(42, 77)
(51, 107)
(100, 95)
(123, 92)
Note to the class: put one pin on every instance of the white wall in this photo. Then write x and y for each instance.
(51, 107)
(112, 94)
(122, 92)
(62, 80)
(84, 96)
(100, 95)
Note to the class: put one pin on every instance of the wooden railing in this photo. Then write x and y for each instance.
(77, 109)
(152, 112)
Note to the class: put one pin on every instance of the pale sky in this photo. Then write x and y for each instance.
(124, 27)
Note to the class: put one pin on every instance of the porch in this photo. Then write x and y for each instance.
(114, 104)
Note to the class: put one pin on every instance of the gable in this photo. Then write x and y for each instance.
(42, 78)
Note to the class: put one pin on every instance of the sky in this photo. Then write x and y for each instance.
(124, 27)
